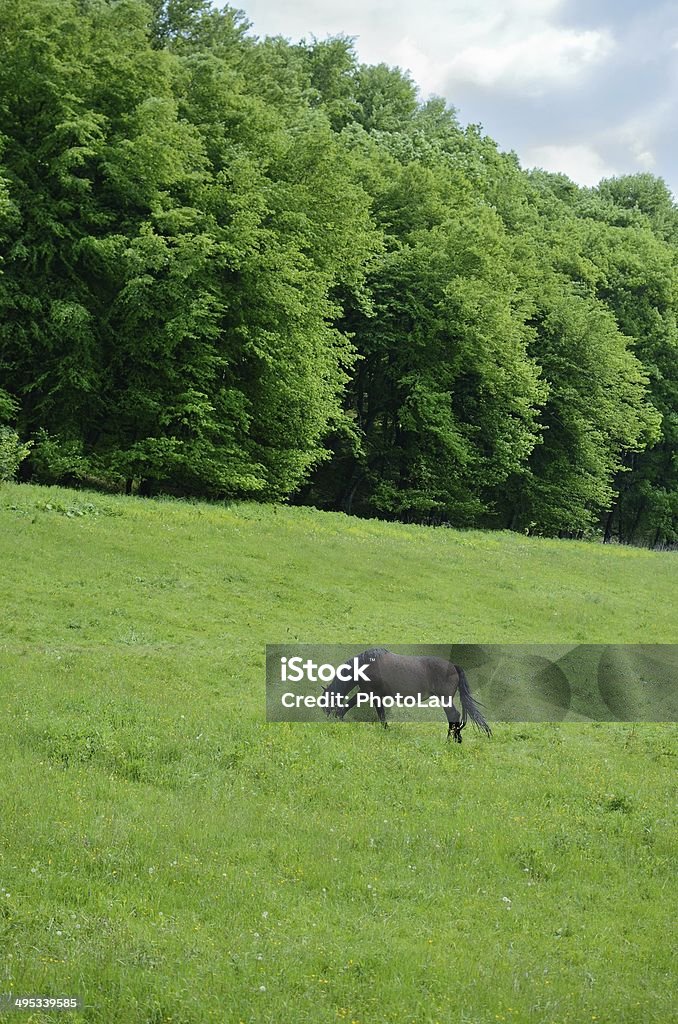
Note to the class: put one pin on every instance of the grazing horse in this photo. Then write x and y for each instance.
(409, 676)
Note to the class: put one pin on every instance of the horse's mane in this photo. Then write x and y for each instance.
(371, 654)
(364, 658)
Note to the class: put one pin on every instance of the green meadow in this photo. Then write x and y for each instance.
(169, 856)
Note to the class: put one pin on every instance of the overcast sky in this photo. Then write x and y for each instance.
(586, 88)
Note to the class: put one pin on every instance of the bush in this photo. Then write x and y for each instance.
(12, 453)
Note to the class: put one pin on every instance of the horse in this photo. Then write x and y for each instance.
(384, 674)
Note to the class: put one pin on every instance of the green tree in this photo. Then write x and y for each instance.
(180, 234)
(444, 399)
(638, 280)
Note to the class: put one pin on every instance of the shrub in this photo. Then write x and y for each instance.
(12, 453)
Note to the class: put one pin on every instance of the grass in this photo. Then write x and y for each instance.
(171, 857)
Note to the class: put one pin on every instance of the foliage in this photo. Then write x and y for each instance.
(241, 267)
(12, 453)
(178, 238)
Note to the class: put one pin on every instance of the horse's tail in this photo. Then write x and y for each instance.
(469, 707)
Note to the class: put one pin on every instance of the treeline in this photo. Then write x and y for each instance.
(235, 267)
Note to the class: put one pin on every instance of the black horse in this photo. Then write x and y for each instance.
(385, 674)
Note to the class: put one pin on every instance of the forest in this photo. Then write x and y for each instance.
(245, 268)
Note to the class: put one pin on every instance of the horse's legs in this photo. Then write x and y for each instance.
(381, 713)
(454, 723)
(351, 704)
(454, 730)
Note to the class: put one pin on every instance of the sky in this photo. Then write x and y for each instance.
(586, 88)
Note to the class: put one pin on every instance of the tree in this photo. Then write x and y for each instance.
(182, 235)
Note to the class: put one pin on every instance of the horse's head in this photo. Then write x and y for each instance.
(333, 694)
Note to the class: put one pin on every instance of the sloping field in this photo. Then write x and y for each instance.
(167, 855)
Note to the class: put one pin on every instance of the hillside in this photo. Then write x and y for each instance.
(169, 856)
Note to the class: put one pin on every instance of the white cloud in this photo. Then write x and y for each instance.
(640, 135)
(535, 62)
(578, 161)
(429, 75)
(517, 43)
(645, 158)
